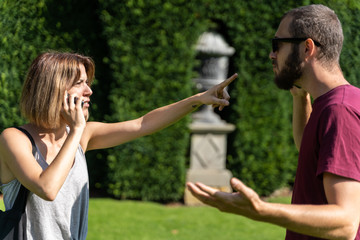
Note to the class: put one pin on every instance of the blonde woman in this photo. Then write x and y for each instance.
(55, 101)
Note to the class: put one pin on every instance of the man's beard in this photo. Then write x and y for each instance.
(291, 72)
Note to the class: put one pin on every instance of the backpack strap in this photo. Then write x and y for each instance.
(30, 137)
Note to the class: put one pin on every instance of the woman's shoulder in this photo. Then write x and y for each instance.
(12, 134)
(8, 134)
(9, 131)
(12, 139)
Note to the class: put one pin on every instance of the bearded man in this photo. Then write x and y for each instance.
(326, 193)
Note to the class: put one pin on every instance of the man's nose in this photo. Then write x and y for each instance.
(272, 55)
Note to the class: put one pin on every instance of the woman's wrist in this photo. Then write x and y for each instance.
(195, 100)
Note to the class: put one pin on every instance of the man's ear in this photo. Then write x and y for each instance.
(309, 46)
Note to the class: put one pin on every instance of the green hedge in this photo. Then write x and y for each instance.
(144, 53)
(22, 36)
(151, 58)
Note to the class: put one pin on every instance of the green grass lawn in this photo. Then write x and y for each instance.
(132, 220)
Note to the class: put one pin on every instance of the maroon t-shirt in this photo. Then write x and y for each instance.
(330, 143)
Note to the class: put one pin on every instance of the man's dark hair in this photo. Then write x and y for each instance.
(321, 24)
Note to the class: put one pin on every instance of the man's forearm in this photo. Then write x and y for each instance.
(324, 221)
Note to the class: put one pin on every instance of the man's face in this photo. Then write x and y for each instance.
(286, 61)
(291, 71)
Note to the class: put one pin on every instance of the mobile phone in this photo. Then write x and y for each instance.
(82, 102)
(75, 100)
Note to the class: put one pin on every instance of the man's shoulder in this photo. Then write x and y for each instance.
(347, 96)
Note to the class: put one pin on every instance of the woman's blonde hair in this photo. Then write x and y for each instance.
(49, 76)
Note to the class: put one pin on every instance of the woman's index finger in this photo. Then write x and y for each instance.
(226, 82)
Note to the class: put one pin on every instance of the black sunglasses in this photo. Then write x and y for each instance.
(275, 42)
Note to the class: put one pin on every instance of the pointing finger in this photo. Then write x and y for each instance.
(226, 82)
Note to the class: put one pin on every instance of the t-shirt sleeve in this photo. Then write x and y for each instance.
(339, 139)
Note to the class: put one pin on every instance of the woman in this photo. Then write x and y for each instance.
(55, 100)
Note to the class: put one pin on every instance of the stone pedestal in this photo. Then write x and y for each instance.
(209, 131)
(208, 157)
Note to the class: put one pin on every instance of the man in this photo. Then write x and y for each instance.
(326, 194)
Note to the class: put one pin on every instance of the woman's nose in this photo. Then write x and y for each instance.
(88, 90)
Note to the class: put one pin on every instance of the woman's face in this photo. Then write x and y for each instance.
(81, 89)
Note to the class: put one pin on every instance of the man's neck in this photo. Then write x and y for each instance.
(318, 80)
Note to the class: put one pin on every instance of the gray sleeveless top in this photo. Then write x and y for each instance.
(64, 218)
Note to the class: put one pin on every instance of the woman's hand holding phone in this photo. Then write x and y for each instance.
(72, 111)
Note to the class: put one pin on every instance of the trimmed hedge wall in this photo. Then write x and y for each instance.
(151, 59)
(144, 53)
(22, 36)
